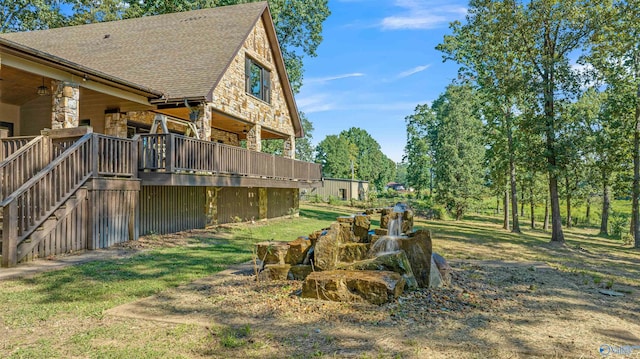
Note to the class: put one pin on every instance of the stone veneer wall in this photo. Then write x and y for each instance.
(65, 98)
(230, 96)
(227, 138)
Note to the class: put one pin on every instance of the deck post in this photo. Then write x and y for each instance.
(169, 152)
(65, 103)
(10, 235)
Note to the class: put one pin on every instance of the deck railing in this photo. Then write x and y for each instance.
(179, 154)
(23, 163)
(11, 144)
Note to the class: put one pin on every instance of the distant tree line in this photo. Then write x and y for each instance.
(546, 106)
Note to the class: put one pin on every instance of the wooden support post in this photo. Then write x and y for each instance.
(134, 157)
(95, 155)
(169, 150)
(10, 236)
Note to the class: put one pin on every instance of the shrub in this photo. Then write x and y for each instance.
(619, 223)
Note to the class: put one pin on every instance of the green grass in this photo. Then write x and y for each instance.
(59, 314)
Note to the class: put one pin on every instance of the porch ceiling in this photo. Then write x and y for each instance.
(223, 122)
(18, 87)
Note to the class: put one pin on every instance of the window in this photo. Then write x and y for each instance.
(258, 80)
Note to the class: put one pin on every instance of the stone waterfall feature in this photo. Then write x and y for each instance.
(350, 262)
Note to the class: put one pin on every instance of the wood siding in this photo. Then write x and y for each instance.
(112, 213)
(280, 202)
(168, 209)
(238, 204)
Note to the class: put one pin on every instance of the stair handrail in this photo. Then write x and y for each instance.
(21, 226)
(12, 161)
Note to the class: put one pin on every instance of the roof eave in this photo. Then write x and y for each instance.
(74, 68)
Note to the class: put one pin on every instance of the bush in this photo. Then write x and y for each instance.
(619, 223)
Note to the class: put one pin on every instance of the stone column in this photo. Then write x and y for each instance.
(254, 138)
(202, 118)
(115, 124)
(290, 147)
(65, 112)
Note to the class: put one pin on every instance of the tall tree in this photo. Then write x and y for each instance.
(616, 54)
(484, 50)
(459, 150)
(370, 163)
(336, 155)
(22, 15)
(547, 32)
(418, 151)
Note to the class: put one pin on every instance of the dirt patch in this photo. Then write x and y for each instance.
(493, 309)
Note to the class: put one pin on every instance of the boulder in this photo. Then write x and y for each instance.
(361, 225)
(381, 232)
(352, 252)
(435, 278)
(346, 232)
(376, 287)
(394, 262)
(407, 221)
(384, 217)
(272, 252)
(274, 272)
(418, 248)
(443, 267)
(313, 237)
(345, 219)
(297, 251)
(327, 248)
(299, 272)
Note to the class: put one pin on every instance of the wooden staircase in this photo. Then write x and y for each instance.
(47, 185)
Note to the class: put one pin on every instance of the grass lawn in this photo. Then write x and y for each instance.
(60, 314)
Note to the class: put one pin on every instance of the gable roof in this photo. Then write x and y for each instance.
(179, 55)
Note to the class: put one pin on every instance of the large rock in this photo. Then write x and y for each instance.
(435, 278)
(376, 287)
(352, 252)
(346, 232)
(361, 225)
(275, 272)
(313, 237)
(297, 251)
(394, 262)
(407, 221)
(443, 267)
(327, 248)
(299, 272)
(384, 217)
(418, 247)
(272, 252)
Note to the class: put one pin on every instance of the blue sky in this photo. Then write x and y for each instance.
(376, 63)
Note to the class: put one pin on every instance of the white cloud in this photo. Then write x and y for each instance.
(315, 103)
(423, 14)
(413, 71)
(332, 78)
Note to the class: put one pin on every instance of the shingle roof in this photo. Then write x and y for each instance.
(179, 54)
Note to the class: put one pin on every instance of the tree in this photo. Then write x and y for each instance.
(483, 49)
(546, 33)
(419, 148)
(370, 163)
(459, 150)
(616, 55)
(335, 154)
(21, 15)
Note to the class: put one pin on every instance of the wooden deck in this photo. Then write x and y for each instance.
(175, 160)
(71, 189)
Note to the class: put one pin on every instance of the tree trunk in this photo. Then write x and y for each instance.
(566, 183)
(506, 210)
(588, 209)
(497, 204)
(533, 207)
(522, 202)
(604, 221)
(549, 114)
(512, 178)
(636, 161)
(545, 226)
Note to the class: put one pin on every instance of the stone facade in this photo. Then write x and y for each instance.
(289, 147)
(254, 139)
(203, 121)
(65, 105)
(231, 98)
(115, 124)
